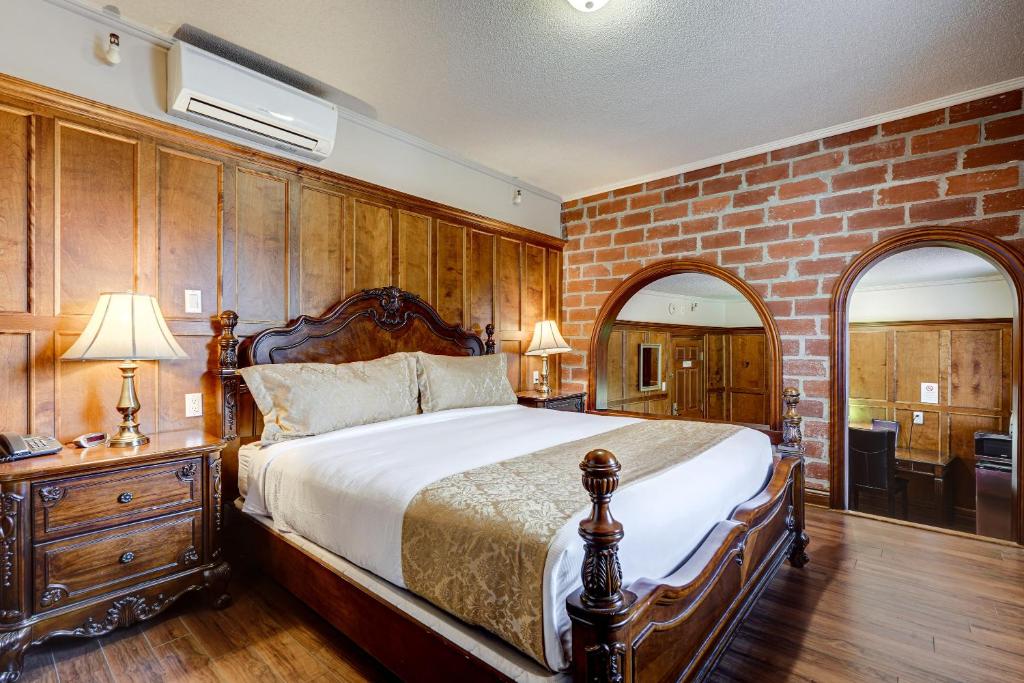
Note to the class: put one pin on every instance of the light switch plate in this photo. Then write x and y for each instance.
(193, 405)
(193, 301)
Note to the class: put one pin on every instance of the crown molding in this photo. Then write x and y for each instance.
(895, 114)
(982, 279)
(161, 40)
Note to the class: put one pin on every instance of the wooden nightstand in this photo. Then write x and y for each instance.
(571, 402)
(92, 540)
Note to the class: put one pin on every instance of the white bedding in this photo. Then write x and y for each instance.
(347, 491)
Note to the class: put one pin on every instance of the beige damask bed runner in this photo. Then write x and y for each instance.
(475, 543)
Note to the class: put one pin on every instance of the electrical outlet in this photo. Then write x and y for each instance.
(193, 405)
(193, 301)
(536, 376)
(918, 417)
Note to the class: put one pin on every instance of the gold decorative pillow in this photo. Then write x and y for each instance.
(304, 399)
(448, 382)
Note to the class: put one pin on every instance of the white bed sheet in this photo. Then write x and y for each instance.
(348, 490)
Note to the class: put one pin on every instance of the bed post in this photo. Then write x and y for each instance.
(227, 371)
(792, 443)
(601, 610)
(489, 344)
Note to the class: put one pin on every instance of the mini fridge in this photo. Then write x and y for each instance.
(993, 470)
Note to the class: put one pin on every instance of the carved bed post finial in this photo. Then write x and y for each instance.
(791, 435)
(489, 344)
(227, 370)
(602, 575)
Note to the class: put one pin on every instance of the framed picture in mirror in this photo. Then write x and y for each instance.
(650, 367)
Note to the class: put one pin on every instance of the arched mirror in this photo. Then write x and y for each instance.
(689, 341)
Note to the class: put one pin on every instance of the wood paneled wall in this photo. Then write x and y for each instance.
(971, 361)
(95, 199)
(734, 368)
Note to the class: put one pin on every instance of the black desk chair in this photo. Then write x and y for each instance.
(891, 425)
(872, 456)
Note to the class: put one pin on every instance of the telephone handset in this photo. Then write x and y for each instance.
(15, 446)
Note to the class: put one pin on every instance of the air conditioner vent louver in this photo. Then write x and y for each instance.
(214, 92)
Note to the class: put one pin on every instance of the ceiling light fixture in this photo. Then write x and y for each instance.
(588, 5)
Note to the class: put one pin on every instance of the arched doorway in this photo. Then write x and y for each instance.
(597, 397)
(995, 251)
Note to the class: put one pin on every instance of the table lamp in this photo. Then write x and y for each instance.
(126, 327)
(546, 340)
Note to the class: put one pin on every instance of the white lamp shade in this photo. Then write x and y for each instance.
(125, 326)
(547, 339)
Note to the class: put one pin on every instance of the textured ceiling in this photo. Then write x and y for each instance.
(695, 284)
(927, 264)
(570, 101)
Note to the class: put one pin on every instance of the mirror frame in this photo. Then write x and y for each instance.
(640, 368)
(597, 358)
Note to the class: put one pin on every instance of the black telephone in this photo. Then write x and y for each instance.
(15, 446)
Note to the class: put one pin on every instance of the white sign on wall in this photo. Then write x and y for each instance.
(929, 392)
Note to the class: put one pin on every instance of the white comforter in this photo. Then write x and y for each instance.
(348, 490)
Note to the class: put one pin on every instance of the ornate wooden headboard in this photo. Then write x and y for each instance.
(371, 324)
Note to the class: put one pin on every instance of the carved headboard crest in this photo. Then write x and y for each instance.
(370, 324)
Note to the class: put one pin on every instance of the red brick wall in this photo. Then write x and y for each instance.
(789, 221)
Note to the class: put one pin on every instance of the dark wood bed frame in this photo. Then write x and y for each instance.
(667, 629)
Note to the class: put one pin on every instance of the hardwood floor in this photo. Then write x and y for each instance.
(879, 602)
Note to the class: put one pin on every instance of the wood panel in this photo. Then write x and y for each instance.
(189, 231)
(510, 285)
(371, 245)
(534, 299)
(414, 238)
(261, 246)
(15, 226)
(112, 201)
(16, 379)
(969, 360)
(481, 265)
(322, 270)
(450, 273)
(97, 199)
(869, 359)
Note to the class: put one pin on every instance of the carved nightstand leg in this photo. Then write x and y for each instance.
(12, 652)
(216, 580)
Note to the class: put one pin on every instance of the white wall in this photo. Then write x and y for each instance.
(988, 298)
(653, 307)
(53, 46)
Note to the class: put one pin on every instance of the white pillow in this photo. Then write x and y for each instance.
(448, 382)
(304, 399)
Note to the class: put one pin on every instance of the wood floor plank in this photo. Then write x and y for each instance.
(81, 659)
(183, 660)
(879, 602)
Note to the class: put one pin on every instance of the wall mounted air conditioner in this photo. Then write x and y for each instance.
(212, 91)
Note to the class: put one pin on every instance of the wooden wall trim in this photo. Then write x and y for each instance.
(957, 322)
(62, 102)
(995, 250)
(687, 329)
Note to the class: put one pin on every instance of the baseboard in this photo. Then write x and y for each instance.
(817, 498)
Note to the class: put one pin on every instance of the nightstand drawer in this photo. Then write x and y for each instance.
(85, 566)
(61, 507)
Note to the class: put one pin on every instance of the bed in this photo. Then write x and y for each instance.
(323, 516)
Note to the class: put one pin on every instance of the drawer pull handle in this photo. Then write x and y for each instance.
(125, 497)
(127, 557)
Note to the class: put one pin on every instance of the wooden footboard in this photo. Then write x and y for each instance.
(677, 627)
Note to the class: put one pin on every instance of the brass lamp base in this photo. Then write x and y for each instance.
(128, 433)
(544, 388)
